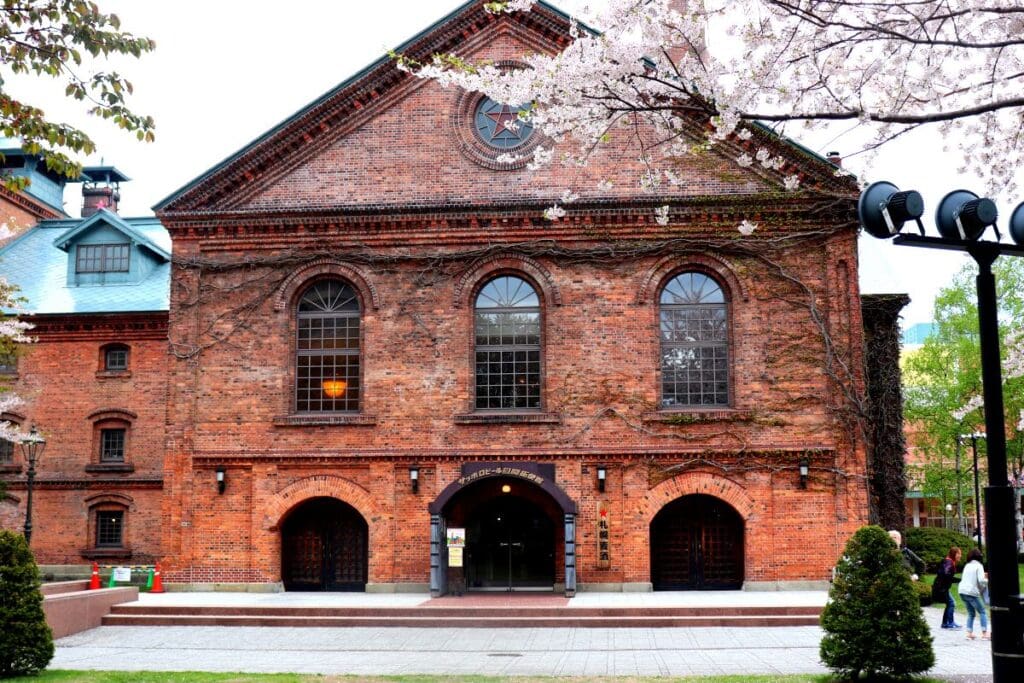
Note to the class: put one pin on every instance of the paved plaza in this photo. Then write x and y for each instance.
(494, 652)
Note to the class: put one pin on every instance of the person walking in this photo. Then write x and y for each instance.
(972, 585)
(944, 580)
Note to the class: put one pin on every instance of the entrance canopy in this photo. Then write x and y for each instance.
(541, 475)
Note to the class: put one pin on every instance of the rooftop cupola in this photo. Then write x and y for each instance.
(102, 189)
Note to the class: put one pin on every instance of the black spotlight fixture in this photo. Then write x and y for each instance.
(883, 209)
(1017, 224)
(963, 215)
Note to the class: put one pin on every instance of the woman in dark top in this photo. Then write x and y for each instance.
(943, 581)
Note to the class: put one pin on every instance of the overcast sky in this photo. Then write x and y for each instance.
(226, 71)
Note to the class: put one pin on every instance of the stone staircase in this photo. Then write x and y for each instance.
(471, 616)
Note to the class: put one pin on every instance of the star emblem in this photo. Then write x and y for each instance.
(505, 121)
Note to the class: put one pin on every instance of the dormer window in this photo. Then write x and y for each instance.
(102, 258)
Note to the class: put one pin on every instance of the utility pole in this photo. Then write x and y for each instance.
(959, 493)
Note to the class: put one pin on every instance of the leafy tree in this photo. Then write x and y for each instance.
(26, 642)
(944, 386)
(657, 67)
(58, 39)
(873, 621)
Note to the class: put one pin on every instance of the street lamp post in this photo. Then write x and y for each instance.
(32, 447)
(959, 493)
(962, 217)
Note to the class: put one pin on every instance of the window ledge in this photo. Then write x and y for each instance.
(99, 553)
(109, 467)
(695, 416)
(113, 374)
(508, 418)
(315, 420)
(10, 469)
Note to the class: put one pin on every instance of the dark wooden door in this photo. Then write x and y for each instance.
(697, 544)
(324, 548)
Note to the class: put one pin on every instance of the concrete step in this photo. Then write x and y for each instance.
(448, 617)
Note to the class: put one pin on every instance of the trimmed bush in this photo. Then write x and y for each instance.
(933, 543)
(873, 620)
(26, 642)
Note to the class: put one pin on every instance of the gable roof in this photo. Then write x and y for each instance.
(226, 187)
(39, 268)
(63, 241)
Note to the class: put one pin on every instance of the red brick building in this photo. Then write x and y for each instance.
(376, 342)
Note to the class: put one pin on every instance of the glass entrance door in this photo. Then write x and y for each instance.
(510, 545)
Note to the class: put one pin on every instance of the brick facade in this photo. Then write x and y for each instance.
(373, 185)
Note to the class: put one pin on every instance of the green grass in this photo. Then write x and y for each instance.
(199, 677)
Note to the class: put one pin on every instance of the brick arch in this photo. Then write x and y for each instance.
(320, 486)
(674, 264)
(289, 288)
(481, 269)
(699, 482)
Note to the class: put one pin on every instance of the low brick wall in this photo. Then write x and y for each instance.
(79, 610)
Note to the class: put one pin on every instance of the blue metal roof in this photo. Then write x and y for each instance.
(39, 268)
(64, 240)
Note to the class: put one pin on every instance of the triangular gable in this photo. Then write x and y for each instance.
(104, 217)
(236, 183)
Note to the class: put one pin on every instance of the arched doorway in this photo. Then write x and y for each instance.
(324, 547)
(697, 544)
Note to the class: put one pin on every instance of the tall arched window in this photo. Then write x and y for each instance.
(327, 376)
(507, 314)
(694, 342)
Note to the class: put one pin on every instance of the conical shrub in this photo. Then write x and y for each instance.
(26, 642)
(873, 621)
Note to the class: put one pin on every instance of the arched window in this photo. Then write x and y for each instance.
(327, 376)
(507, 323)
(694, 342)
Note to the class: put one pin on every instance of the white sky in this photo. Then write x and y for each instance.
(226, 71)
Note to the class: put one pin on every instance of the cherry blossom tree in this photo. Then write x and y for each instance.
(12, 333)
(875, 69)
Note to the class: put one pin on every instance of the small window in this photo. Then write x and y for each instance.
(115, 359)
(6, 452)
(8, 361)
(112, 445)
(109, 528)
(102, 258)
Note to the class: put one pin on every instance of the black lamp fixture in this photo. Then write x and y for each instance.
(414, 478)
(805, 469)
(602, 476)
(221, 481)
(32, 446)
(962, 218)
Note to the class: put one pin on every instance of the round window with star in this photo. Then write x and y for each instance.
(499, 126)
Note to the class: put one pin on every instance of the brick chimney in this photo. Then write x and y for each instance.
(102, 189)
(835, 159)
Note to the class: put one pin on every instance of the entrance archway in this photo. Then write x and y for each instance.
(324, 547)
(697, 544)
(520, 531)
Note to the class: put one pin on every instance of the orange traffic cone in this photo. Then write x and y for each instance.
(94, 582)
(158, 583)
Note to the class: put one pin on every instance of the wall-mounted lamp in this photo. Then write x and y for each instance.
(414, 478)
(221, 483)
(602, 475)
(805, 469)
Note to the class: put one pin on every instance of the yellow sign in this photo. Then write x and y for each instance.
(455, 556)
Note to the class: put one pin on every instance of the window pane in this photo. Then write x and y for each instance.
(112, 445)
(116, 359)
(694, 342)
(6, 452)
(102, 258)
(90, 259)
(116, 258)
(109, 528)
(507, 364)
(327, 377)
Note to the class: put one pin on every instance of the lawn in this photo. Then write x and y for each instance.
(199, 677)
